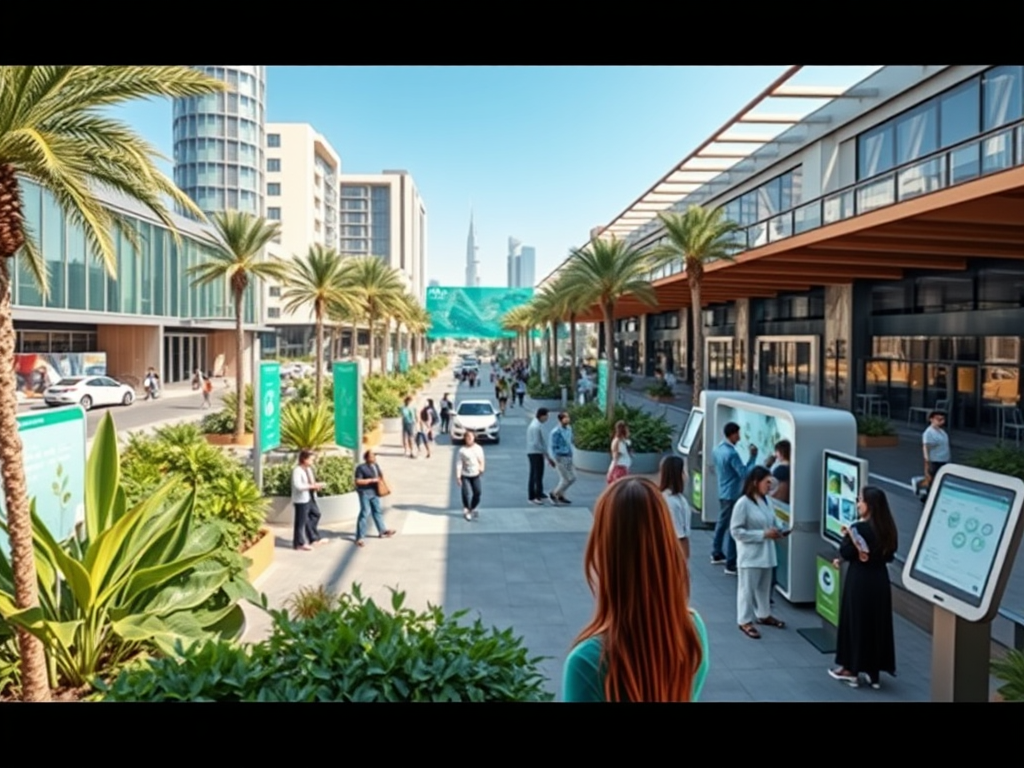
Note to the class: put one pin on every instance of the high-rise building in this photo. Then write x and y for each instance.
(472, 257)
(383, 215)
(527, 266)
(513, 262)
(219, 142)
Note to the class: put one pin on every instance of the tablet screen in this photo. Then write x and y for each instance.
(691, 432)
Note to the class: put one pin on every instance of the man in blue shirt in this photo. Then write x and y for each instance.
(561, 452)
(731, 473)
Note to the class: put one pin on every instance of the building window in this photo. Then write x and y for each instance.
(274, 214)
(348, 190)
(274, 189)
(273, 313)
(273, 139)
(273, 165)
(274, 291)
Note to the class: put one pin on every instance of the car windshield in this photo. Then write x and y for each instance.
(68, 382)
(476, 409)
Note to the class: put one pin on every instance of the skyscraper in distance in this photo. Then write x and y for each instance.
(527, 266)
(472, 257)
(513, 262)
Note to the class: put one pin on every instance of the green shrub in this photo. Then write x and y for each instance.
(1004, 459)
(593, 432)
(660, 389)
(337, 473)
(305, 426)
(1010, 670)
(353, 651)
(623, 379)
(875, 426)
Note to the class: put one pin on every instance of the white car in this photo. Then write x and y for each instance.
(88, 391)
(478, 417)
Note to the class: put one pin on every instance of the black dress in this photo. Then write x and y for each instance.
(865, 644)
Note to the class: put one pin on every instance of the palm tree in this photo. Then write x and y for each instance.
(320, 279)
(569, 302)
(697, 237)
(547, 310)
(52, 131)
(419, 323)
(379, 289)
(606, 271)
(237, 258)
(519, 320)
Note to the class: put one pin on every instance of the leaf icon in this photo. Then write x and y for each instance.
(60, 470)
(65, 498)
(56, 488)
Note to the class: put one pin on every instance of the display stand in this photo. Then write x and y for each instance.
(961, 653)
(827, 600)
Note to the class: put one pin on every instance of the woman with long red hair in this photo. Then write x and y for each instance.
(645, 643)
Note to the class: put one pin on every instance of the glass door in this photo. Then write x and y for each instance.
(719, 365)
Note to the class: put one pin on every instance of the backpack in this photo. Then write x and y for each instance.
(425, 415)
(207, 385)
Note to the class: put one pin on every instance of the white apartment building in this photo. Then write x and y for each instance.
(302, 193)
(383, 215)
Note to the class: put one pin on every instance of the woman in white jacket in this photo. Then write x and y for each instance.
(754, 528)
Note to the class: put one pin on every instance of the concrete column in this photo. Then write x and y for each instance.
(741, 346)
(837, 360)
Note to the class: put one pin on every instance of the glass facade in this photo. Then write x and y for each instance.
(363, 205)
(151, 280)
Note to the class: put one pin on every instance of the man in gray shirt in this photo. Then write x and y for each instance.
(537, 452)
(935, 446)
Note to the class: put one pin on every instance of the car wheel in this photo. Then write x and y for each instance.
(128, 398)
(86, 402)
(497, 440)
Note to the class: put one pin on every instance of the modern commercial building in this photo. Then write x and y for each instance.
(383, 215)
(881, 256)
(472, 257)
(512, 264)
(521, 264)
(219, 142)
(303, 194)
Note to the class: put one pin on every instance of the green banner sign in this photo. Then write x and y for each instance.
(697, 497)
(602, 384)
(472, 313)
(270, 406)
(403, 361)
(826, 592)
(348, 406)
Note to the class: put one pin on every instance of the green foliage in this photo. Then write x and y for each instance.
(305, 426)
(371, 415)
(1011, 671)
(660, 389)
(222, 422)
(624, 379)
(354, 651)
(134, 579)
(593, 432)
(875, 426)
(310, 601)
(1001, 458)
(337, 473)
(540, 391)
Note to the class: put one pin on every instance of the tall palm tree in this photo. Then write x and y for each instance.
(518, 319)
(697, 237)
(378, 288)
(237, 258)
(52, 131)
(547, 309)
(320, 279)
(418, 323)
(606, 271)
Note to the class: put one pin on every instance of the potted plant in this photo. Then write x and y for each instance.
(219, 426)
(373, 429)
(623, 379)
(338, 500)
(660, 392)
(651, 437)
(1010, 670)
(876, 432)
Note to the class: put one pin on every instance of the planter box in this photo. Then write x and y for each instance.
(553, 406)
(599, 461)
(261, 553)
(880, 441)
(247, 440)
(391, 426)
(374, 437)
(333, 509)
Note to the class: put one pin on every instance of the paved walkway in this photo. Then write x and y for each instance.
(522, 566)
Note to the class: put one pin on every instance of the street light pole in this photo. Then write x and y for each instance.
(257, 449)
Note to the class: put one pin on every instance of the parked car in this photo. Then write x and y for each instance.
(477, 416)
(88, 391)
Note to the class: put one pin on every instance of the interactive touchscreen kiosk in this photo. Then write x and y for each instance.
(691, 447)
(961, 558)
(844, 478)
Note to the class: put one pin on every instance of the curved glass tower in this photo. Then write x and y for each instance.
(219, 140)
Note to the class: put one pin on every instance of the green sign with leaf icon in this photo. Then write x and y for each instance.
(270, 406)
(348, 406)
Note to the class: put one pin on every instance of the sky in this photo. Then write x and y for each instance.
(542, 154)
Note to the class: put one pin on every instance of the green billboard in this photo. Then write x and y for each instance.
(472, 313)
(270, 406)
(348, 406)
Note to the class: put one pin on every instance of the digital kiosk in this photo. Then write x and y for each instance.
(763, 422)
(691, 448)
(961, 558)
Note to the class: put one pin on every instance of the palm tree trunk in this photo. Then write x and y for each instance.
(385, 342)
(573, 372)
(319, 354)
(240, 369)
(698, 340)
(609, 351)
(371, 320)
(35, 684)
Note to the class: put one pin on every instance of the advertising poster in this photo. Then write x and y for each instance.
(36, 372)
(403, 361)
(842, 485)
(348, 406)
(826, 591)
(602, 384)
(270, 399)
(758, 429)
(472, 312)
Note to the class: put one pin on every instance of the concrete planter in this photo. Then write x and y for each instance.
(374, 437)
(599, 461)
(333, 509)
(247, 440)
(261, 553)
(553, 406)
(392, 426)
(878, 441)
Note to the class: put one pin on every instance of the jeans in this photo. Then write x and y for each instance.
(470, 492)
(566, 475)
(369, 505)
(307, 515)
(722, 535)
(445, 420)
(536, 482)
(520, 395)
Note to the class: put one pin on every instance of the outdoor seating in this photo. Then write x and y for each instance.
(940, 405)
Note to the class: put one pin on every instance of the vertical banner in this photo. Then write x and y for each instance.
(348, 406)
(270, 406)
(826, 592)
(403, 361)
(390, 364)
(602, 384)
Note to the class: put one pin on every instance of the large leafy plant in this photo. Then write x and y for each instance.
(353, 650)
(305, 426)
(593, 432)
(132, 579)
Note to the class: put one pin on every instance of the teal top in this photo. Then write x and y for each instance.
(582, 680)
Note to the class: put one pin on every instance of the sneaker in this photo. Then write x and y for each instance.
(717, 560)
(476, 514)
(467, 514)
(564, 500)
(538, 502)
(730, 571)
(837, 674)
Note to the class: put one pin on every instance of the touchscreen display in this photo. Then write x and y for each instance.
(691, 432)
(842, 487)
(959, 547)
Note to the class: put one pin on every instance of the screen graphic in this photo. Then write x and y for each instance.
(842, 487)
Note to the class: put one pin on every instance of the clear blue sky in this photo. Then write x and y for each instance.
(542, 153)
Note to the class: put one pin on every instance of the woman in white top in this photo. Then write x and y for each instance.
(673, 480)
(622, 453)
(754, 528)
(469, 468)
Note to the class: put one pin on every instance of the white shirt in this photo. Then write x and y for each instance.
(471, 460)
(750, 521)
(303, 480)
(680, 510)
(623, 459)
(937, 441)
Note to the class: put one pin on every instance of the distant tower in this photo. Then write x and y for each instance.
(472, 259)
(513, 262)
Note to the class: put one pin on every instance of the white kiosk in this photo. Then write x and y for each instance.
(961, 558)
(763, 422)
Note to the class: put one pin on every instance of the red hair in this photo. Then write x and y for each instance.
(650, 647)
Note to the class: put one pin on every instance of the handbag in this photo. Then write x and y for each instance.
(383, 489)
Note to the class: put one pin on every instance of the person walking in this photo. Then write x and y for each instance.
(521, 391)
(561, 452)
(622, 453)
(369, 478)
(865, 645)
(408, 414)
(307, 512)
(753, 525)
(207, 386)
(502, 394)
(672, 482)
(151, 384)
(469, 469)
(446, 413)
(536, 453)
(935, 447)
(731, 473)
(423, 419)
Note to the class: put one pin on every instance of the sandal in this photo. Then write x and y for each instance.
(387, 534)
(750, 631)
(771, 621)
(360, 543)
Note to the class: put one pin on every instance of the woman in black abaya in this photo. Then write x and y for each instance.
(865, 643)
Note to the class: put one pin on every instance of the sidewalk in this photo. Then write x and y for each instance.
(522, 566)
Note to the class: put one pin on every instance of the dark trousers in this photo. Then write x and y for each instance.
(445, 420)
(536, 484)
(307, 516)
(723, 538)
(470, 492)
(520, 395)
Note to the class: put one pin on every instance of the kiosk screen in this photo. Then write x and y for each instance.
(965, 529)
(691, 431)
(843, 482)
